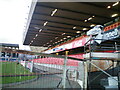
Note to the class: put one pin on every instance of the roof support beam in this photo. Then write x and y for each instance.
(89, 3)
(54, 31)
(91, 14)
(91, 22)
(44, 33)
(58, 27)
(63, 23)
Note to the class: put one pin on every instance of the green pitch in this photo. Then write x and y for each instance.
(12, 68)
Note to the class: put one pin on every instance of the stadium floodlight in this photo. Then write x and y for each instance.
(114, 15)
(36, 35)
(74, 27)
(108, 6)
(115, 3)
(63, 33)
(53, 12)
(40, 30)
(45, 23)
(84, 28)
(78, 32)
(85, 21)
(56, 37)
(68, 36)
(90, 18)
(92, 25)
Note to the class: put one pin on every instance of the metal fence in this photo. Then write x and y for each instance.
(25, 69)
(38, 70)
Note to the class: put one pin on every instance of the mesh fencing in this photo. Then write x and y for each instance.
(26, 70)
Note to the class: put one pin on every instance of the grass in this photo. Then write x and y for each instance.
(12, 68)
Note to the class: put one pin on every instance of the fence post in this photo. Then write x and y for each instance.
(0, 65)
(31, 68)
(32, 63)
(81, 74)
(5, 56)
(0, 53)
(64, 72)
(85, 75)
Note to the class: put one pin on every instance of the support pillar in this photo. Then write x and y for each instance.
(85, 75)
(31, 68)
(64, 70)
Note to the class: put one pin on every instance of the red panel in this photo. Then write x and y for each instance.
(59, 61)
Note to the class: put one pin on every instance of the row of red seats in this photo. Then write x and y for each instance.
(59, 61)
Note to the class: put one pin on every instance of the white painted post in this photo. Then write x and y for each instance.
(25, 61)
(31, 68)
(11, 57)
(81, 74)
(32, 63)
(0, 54)
(85, 75)
(0, 65)
(25, 64)
(5, 56)
(64, 72)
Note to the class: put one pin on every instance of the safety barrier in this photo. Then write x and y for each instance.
(38, 70)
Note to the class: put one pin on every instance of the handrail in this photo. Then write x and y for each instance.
(35, 53)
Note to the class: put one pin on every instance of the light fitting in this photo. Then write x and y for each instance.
(78, 32)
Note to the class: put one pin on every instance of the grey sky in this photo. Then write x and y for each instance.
(12, 20)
